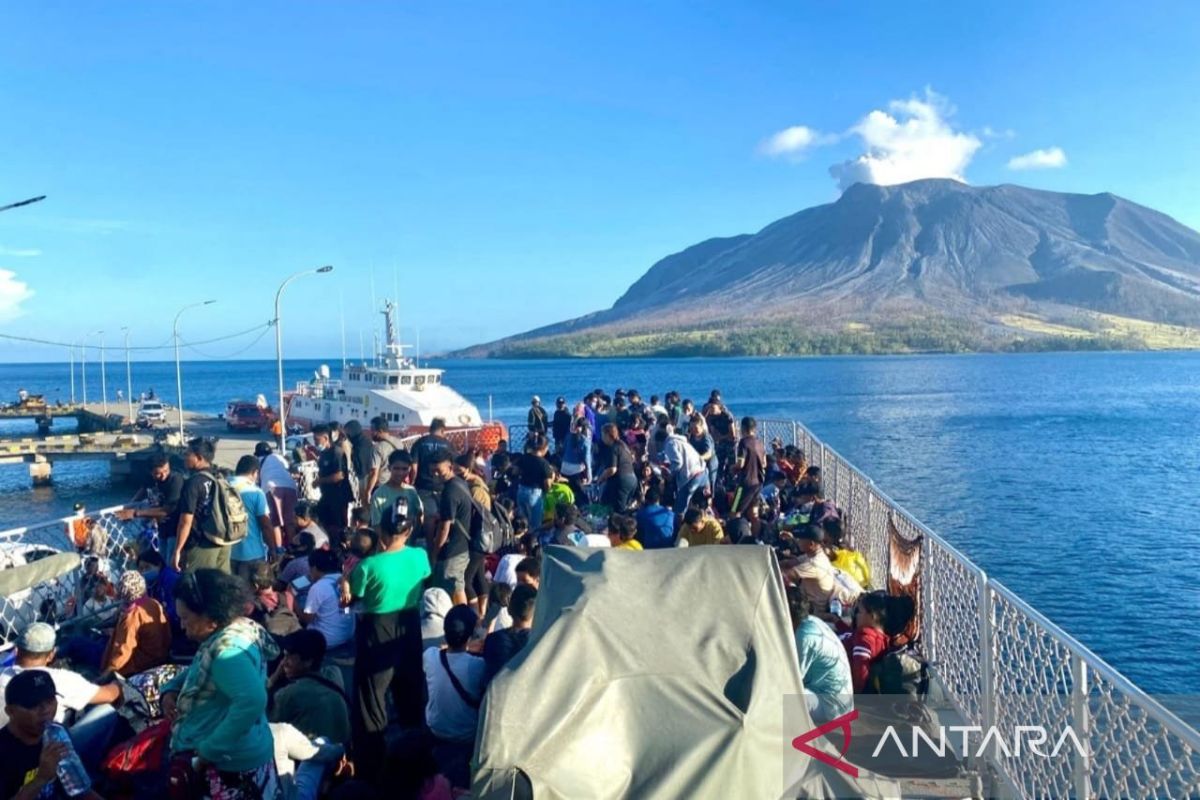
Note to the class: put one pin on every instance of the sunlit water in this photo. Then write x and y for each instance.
(1072, 478)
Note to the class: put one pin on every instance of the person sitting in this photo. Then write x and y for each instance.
(529, 572)
(322, 611)
(845, 558)
(501, 646)
(622, 532)
(506, 570)
(498, 618)
(869, 640)
(824, 666)
(655, 522)
(293, 577)
(218, 705)
(28, 763)
(455, 681)
(435, 605)
(306, 521)
(813, 572)
(306, 695)
(142, 636)
(700, 528)
(96, 719)
(564, 531)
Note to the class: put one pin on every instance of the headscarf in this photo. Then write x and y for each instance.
(131, 586)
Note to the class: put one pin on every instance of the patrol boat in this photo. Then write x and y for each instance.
(394, 387)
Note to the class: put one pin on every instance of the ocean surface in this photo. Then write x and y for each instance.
(1070, 477)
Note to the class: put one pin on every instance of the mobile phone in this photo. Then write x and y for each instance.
(301, 583)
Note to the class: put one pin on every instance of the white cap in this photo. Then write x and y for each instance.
(537, 400)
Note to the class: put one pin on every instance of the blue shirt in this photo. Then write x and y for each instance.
(824, 667)
(656, 527)
(252, 548)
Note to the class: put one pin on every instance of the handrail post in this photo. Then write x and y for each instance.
(927, 610)
(1081, 723)
(987, 685)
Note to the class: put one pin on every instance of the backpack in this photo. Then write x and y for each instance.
(506, 538)
(227, 521)
(485, 535)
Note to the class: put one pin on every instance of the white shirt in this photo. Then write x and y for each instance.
(447, 714)
(322, 600)
(273, 473)
(74, 691)
(597, 540)
(506, 570)
(319, 535)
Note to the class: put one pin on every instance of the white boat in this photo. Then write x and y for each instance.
(394, 387)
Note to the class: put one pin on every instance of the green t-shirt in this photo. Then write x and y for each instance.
(387, 582)
(384, 496)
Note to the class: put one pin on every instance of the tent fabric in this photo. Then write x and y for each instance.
(659, 674)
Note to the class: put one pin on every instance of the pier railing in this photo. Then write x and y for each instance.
(998, 661)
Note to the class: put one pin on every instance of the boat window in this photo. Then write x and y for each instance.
(405, 380)
(420, 380)
(393, 380)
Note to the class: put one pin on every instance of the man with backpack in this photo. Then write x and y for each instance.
(212, 516)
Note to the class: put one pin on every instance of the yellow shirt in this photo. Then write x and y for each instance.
(709, 532)
(632, 544)
(855, 565)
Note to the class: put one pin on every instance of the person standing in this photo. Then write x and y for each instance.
(450, 549)
(427, 453)
(333, 476)
(383, 444)
(193, 549)
(536, 477)
(685, 466)
(618, 479)
(387, 590)
(560, 426)
(161, 495)
(276, 480)
(536, 419)
(750, 466)
(262, 537)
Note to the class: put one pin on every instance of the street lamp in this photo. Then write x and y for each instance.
(128, 377)
(83, 368)
(279, 347)
(71, 359)
(178, 371)
(103, 378)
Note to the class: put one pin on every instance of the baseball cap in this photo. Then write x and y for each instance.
(79, 506)
(536, 399)
(37, 638)
(29, 689)
(263, 449)
(562, 401)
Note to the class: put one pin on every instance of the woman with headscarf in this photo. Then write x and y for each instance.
(221, 746)
(142, 636)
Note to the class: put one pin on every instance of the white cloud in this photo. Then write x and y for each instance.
(1047, 158)
(913, 139)
(12, 293)
(19, 252)
(795, 142)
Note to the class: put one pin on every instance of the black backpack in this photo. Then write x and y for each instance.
(491, 530)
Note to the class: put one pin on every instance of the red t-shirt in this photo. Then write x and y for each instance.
(863, 647)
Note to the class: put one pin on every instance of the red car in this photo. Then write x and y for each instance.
(249, 417)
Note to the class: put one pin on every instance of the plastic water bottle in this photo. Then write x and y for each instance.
(835, 607)
(71, 773)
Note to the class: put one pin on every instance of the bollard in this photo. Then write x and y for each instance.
(40, 471)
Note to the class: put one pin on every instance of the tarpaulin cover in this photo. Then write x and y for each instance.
(659, 674)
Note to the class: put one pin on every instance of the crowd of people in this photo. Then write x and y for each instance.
(292, 648)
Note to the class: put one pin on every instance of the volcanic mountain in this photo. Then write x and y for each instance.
(895, 268)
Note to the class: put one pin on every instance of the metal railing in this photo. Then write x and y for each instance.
(99, 537)
(998, 661)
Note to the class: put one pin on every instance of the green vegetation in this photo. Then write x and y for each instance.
(916, 335)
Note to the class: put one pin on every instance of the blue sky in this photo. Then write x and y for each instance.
(517, 164)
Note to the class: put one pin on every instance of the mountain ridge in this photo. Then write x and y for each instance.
(927, 250)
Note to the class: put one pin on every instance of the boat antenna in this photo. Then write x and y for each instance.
(362, 352)
(418, 345)
(374, 306)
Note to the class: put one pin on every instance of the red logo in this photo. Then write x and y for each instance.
(801, 743)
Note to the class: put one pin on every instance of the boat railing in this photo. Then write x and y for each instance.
(319, 390)
(100, 534)
(999, 663)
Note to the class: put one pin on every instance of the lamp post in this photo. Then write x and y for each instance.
(103, 378)
(71, 359)
(178, 371)
(128, 377)
(83, 368)
(279, 346)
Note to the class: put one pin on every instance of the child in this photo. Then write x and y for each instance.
(868, 641)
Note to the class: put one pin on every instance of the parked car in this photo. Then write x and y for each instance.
(248, 417)
(150, 413)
